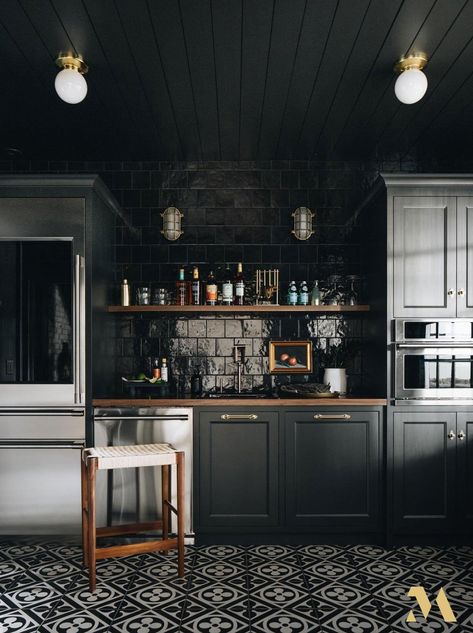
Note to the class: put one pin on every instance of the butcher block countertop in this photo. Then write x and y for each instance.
(239, 402)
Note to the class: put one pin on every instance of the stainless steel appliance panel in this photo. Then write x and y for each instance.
(132, 494)
(433, 360)
(40, 471)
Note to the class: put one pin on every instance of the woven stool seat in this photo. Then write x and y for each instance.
(132, 456)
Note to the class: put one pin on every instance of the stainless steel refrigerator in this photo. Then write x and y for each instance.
(56, 238)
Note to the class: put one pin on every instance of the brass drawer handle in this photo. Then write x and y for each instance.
(239, 416)
(334, 416)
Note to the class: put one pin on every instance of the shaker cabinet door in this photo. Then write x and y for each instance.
(333, 462)
(424, 472)
(424, 252)
(238, 468)
(464, 483)
(464, 286)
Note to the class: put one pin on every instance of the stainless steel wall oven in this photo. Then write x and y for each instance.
(433, 360)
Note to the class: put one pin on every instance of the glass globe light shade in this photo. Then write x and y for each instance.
(410, 86)
(70, 85)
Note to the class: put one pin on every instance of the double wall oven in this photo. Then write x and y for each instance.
(433, 361)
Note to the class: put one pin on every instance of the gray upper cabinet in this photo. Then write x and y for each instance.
(465, 257)
(430, 238)
(424, 259)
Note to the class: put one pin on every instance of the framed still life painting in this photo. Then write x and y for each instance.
(290, 357)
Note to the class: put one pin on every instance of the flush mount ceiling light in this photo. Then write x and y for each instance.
(172, 219)
(411, 84)
(70, 84)
(302, 223)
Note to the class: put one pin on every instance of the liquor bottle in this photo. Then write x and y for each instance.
(196, 382)
(292, 294)
(303, 294)
(181, 289)
(195, 287)
(125, 293)
(315, 294)
(239, 299)
(211, 290)
(227, 288)
(164, 370)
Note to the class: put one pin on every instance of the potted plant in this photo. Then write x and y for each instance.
(333, 359)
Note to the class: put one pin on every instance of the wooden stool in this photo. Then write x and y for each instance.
(108, 457)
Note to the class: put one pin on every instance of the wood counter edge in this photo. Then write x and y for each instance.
(244, 402)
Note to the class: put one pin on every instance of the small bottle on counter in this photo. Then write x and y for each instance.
(125, 293)
(211, 290)
(315, 294)
(292, 294)
(303, 294)
(164, 370)
(227, 288)
(239, 298)
(195, 287)
(181, 289)
(155, 370)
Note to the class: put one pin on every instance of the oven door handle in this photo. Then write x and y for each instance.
(56, 444)
(441, 345)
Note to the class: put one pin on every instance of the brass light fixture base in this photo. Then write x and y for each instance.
(73, 63)
(416, 60)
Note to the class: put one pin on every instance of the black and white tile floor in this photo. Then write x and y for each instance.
(227, 589)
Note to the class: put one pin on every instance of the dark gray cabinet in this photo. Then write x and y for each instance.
(238, 468)
(432, 472)
(465, 257)
(333, 469)
(288, 470)
(424, 256)
(464, 483)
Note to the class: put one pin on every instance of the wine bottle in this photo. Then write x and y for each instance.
(239, 299)
(211, 290)
(195, 286)
(227, 288)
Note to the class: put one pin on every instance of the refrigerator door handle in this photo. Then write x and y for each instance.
(45, 412)
(79, 330)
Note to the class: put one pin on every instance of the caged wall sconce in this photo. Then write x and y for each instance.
(302, 223)
(70, 83)
(172, 219)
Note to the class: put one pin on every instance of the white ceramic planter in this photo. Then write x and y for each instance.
(337, 378)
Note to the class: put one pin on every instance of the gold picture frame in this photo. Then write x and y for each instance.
(290, 357)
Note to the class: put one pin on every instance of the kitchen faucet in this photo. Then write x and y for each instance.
(239, 358)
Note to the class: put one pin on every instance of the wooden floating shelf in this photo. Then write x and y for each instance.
(238, 309)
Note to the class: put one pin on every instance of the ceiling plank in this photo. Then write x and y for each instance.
(378, 21)
(256, 37)
(314, 35)
(227, 34)
(287, 25)
(167, 27)
(197, 24)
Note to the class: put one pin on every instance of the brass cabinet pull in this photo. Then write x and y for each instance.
(332, 416)
(239, 416)
(461, 292)
(450, 292)
(461, 436)
(451, 435)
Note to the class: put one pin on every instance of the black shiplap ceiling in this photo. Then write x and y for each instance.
(236, 79)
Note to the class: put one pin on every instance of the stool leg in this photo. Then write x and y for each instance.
(180, 513)
(165, 481)
(91, 472)
(85, 509)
